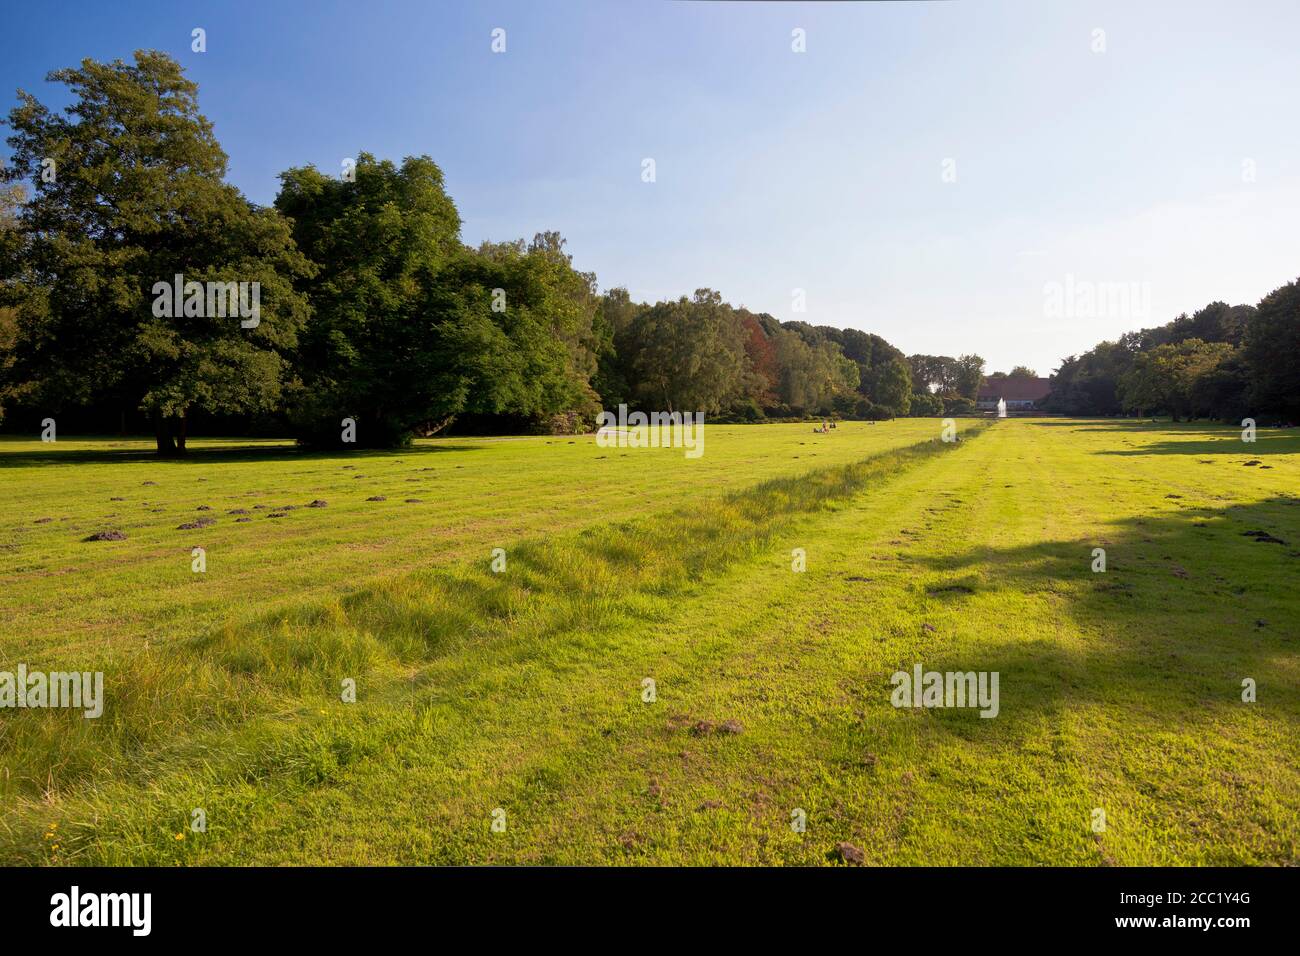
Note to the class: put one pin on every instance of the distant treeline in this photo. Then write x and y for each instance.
(701, 354)
(1222, 362)
(136, 283)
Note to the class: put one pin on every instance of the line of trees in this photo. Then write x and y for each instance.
(1222, 362)
(700, 353)
(370, 308)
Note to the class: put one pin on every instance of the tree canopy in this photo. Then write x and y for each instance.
(1223, 362)
(129, 193)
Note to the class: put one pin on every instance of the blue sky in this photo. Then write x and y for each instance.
(1169, 162)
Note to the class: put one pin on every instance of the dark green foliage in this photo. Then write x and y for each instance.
(1272, 352)
(1164, 377)
(687, 355)
(1089, 384)
(958, 405)
(382, 343)
(926, 405)
(884, 376)
(129, 192)
(1222, 392)
(1223, 362)
(412, 328)
(867, 410)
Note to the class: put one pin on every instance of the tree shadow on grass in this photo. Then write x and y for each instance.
(1132, 425)
(1190, 604)
(203, 454)
(1216, 440)
(1230, 443)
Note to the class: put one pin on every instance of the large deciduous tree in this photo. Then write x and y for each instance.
(689, 354)
(411, 328)
(381, 349)
(129, 192)
(968, 375)
(547, 345)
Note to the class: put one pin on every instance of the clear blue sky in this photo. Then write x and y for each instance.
(778, 171)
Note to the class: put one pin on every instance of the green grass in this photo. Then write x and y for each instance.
(522, 690)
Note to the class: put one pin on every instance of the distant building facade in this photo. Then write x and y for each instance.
(1022, 395)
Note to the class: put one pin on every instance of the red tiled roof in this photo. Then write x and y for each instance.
(1015, 389)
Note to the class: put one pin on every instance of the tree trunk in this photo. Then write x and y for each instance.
(429, 429)
(181, 424)
(166, 447)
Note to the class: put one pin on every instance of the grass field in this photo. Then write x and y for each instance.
(522, 691)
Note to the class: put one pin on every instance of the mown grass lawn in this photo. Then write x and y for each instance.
(522, 692)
